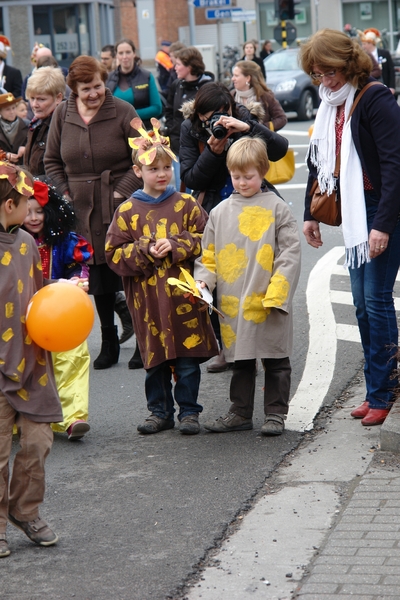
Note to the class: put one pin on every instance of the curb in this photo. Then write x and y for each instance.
(390, 430)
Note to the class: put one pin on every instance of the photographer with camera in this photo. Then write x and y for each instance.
(213, 121)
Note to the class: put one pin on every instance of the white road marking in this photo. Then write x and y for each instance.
(291, 186)
(286, 132)
(321, 355)
(348, 333)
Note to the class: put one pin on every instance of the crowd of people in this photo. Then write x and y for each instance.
(85, 195)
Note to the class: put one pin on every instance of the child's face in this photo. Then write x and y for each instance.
(34, 221)
(155, 177)
(247, 183)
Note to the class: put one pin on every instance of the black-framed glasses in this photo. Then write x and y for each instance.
(320, 76)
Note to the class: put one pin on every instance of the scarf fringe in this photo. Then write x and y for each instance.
(357, 256)
(326, 181)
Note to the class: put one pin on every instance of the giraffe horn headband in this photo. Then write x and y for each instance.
(148, 141)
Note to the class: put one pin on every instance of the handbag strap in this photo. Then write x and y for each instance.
(356, 101)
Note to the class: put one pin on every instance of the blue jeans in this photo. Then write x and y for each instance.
(372, 287)
(158, 388)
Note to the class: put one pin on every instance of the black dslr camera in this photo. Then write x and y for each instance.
(218, 131)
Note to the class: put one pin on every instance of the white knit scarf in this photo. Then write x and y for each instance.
(246, 96)
(322, 153)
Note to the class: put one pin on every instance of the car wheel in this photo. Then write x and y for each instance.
(305, 112)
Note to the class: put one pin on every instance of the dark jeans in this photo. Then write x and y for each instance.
(372, 288)
(158, 386)
(277, 372)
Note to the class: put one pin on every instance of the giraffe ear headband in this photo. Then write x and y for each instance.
(17, 178)
(149, 141)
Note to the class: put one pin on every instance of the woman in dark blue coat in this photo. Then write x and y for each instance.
(369, 147)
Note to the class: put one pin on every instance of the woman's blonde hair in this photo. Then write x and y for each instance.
(46, 80)
(331, 49)
(247, 153)
(251, 69)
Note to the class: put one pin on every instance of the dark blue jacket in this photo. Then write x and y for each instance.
(375, 127)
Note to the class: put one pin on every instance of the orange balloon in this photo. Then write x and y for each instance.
(59, 317)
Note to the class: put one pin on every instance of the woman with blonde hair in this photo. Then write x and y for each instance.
(250, 87)
(357, 126)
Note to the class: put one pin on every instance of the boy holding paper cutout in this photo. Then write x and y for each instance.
(251, 252)
(152, 235)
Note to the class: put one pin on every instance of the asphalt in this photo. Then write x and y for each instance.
(326, 526)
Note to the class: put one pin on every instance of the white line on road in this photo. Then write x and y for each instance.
(294, 132)
(321, 355)
(348, 333)
(291, 186)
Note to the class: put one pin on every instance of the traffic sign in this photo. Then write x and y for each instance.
(243, 15)
(221, 13)
(205, 3)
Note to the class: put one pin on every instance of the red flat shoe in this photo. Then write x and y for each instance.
(361, 411)
(375, 416)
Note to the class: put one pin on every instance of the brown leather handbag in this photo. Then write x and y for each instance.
(326, 208)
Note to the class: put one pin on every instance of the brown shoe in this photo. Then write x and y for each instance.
(4, 549)
(190, 425)
(230, 422)
(154, 424)
(37, 530)
(274, 424)
(218, 364)
(361, 411)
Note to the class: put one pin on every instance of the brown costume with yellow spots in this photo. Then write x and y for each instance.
(26, 372)
(166, 323)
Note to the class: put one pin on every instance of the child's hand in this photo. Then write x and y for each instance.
(81, 282)
(161, 248)
(202, 305)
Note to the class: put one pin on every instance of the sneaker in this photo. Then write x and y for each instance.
(77, 430)
(37, 530)
(4, 549)
(218, 364)
(190, 425)
(154, 424)
(230, 422)
(273, 424)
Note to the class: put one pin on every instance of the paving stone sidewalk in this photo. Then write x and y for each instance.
(361, 557)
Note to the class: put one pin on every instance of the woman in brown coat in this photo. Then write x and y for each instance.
(250, 87)
(88, 158)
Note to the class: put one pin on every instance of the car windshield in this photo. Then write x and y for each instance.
(282, 61)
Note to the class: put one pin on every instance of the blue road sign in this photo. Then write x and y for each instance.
(205, 3)
(220, 13)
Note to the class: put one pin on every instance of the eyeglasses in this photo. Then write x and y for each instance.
(320, 76)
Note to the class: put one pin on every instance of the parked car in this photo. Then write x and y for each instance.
(291, 86)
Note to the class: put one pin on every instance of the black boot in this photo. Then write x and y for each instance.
(136, 360)
(109, 352)
(123, 312)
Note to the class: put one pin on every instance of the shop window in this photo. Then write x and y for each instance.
(64, 29)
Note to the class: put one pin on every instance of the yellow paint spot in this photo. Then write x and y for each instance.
(179, 205)
(20, 286)
(146, 230)
(182, 252)
(2, 362)
(150, 215)
(230, 306)
(28, 340)
(161, 272)
(9, 306)
(134, 220)
(231, 262)
(109, 246)
(277, 292)
(117, 256)
(174, 229)
(253, 309)
(153, 329)
(121, 224)
(265, 257)
(23, 249)
(197, 249)
(192, 324)
(22, 318)
(128, 250)
(43, 380)
(21, 366)
(228, 335)
(195, 212)
(152, 280)
(41, 361)
(163, 337)
(7, 335)
(167, 289)
(31, 271)
(188, 196)
(208, 258)
(254, 221)
(150, 357)
(6, 258)
(184, 221)
(161, 229)
(184, 308)
(192, 341)
(39, 266)
(125, 206)
(23, 394)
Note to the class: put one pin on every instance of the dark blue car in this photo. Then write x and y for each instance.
(291, 86)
